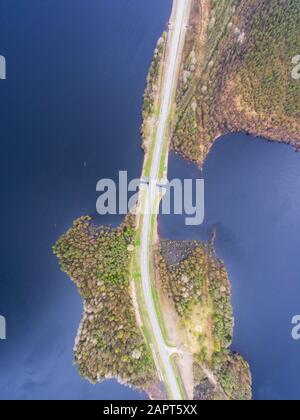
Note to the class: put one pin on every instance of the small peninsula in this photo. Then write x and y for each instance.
(194, 292)
(109, 343)
(237, 74)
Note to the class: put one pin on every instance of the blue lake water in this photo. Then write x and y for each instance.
(69, 115)
(252, 199)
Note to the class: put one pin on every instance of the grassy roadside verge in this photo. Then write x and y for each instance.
(161, 168)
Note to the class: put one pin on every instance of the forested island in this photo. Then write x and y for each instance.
(194, 280)
(109, 343)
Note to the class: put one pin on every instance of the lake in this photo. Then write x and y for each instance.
(70, 115)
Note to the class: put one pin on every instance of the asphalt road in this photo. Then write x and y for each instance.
(176, 34)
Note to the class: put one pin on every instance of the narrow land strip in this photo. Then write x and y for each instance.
(150, 197)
